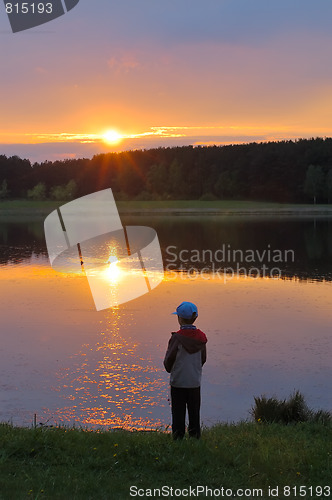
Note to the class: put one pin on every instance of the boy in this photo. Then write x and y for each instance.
(185, 356)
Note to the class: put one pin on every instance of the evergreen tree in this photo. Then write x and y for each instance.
(4, 191)
(314, 182)
(329, 185)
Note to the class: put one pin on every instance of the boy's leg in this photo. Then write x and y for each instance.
(194, 404)
(178, 398)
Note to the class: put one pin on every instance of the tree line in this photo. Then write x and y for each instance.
(285, 171)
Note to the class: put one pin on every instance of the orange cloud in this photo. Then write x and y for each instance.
(124, 63)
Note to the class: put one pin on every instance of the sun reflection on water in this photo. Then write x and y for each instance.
(115, 377)
(113, 273)
(112, 384)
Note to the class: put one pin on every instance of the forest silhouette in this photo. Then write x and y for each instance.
(286, 171)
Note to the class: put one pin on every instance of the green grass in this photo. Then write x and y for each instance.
(77, 464)
(29, 208)
(286, 411)
(7, 204)
(216, 204)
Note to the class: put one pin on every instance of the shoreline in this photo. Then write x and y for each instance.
(24, 209)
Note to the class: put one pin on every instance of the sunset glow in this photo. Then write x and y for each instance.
(239, 83)
(112, 137)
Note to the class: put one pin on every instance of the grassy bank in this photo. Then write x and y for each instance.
(26, 208)
(76, 464)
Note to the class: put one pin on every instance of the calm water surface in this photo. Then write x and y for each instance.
(67, 363)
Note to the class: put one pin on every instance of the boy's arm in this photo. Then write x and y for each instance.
(203, 353)
(171, 353)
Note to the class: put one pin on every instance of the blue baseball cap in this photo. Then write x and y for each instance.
(186, 310)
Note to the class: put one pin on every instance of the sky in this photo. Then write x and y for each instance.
(164, 73)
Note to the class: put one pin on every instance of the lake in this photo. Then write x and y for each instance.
(263, 287)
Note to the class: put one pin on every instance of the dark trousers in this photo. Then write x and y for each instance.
(183, 398)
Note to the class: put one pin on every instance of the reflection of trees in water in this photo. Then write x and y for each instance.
(18, 241)
(314, 242)
(309, 238)
(319, 240)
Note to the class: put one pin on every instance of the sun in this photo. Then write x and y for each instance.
(112, 137)
(113, 273)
